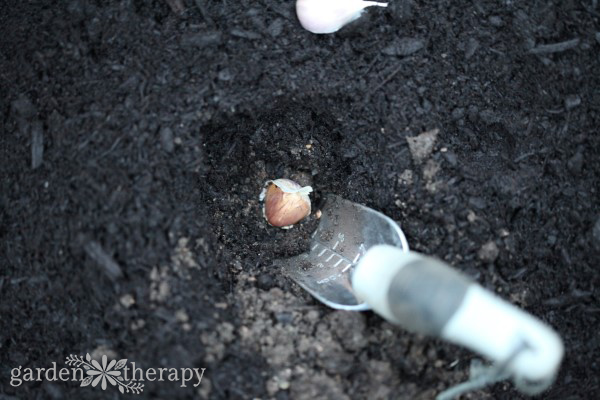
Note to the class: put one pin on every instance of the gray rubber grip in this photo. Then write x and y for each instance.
(425, 294)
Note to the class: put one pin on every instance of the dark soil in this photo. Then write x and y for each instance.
(136, 138)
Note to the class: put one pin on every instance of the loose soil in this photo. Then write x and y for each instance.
(136, 138)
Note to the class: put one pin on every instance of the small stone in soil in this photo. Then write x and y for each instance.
(489, 252)
(421, 146)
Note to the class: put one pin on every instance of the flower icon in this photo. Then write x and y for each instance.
(103, 372)
(106, 372)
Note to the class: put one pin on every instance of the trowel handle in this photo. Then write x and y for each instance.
(427, 296)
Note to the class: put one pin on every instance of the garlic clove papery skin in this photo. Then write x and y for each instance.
(328, 16)
(285, 202)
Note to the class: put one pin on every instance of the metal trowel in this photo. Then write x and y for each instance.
(346, 231)
(359, 260)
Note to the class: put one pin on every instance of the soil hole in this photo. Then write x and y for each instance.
(297, 141)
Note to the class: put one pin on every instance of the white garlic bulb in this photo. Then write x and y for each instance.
(328, 16)
(286, 202)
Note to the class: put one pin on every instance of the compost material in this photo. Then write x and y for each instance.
(137, 136)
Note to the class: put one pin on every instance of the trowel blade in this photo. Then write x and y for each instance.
(346, 231)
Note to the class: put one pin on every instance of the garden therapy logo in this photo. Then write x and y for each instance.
(103, 373)
(125, 376)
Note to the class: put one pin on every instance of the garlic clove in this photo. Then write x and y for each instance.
(285, 202)
(328, 16)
